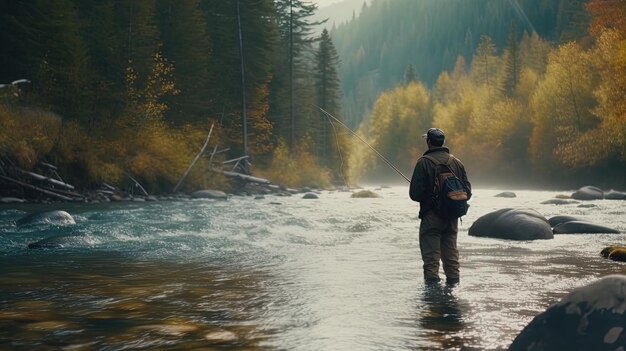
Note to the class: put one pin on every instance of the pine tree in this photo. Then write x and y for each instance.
(510, 69)
(186, 43)
(59, 58)
(485, 62)
(409, 75)
(292, 86)
(258, 39)
(328, 98)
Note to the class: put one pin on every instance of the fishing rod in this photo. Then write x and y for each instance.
(366, 143)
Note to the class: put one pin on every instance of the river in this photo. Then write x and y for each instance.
(283, 273)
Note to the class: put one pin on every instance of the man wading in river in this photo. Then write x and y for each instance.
(439, 219)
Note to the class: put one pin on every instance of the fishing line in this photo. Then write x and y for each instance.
(339, 151)
(366, 143)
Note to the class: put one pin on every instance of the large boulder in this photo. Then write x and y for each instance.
(588, 193)
(513, 224)
(49, 217)
(581, 227)
(592, 317)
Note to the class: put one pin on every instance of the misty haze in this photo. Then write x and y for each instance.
(282, 174)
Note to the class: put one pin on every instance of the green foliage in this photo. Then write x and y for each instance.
(329, 140)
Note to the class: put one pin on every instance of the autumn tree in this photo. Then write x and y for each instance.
(563, 106)
(398, 120)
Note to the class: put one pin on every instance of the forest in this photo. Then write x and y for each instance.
(389, 35)
(112, 89)
(534, 113)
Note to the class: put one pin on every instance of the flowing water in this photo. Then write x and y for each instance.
(282, 273)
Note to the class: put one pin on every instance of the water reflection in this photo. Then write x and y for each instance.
(442, 314)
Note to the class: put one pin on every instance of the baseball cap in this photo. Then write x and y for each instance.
(434, 134)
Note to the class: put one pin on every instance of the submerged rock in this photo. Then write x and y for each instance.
(49, 217)
(209, 194)
(310, 195)
(558, 202)
(562, 219)
(513, 224)
(592, 317)
(508, 194)
(61, 241)
(615, 195)
(615, 253)
(364, 194)
(581, 227)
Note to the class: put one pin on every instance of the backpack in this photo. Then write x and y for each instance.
(449, 192)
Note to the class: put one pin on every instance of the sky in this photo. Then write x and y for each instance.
(323, 3)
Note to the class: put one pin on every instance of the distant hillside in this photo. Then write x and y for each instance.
(339, 13)
(376, 47)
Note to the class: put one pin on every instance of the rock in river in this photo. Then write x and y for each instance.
(513, 224)
(592, 317)
(49, 217)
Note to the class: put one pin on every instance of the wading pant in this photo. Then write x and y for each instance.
(438, 241)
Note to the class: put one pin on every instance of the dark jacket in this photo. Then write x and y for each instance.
(423, 180)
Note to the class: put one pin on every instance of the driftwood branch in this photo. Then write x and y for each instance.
(36, 188)
(46, 179)
(137, 184)
(194, 160)
(243, 177)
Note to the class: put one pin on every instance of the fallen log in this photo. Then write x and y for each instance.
(46, 179)
(36, 188)
(243, 177)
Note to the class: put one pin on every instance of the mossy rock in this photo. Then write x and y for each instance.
(615, 253)
(364, 194)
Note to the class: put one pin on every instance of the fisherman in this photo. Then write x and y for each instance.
(437, 232)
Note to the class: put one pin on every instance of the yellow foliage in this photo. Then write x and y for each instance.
(563, 106)
(296, 169)
(28, 134)
(398, 120)
(611, 56)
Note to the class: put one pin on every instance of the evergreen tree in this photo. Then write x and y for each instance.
(258, 39)
(186, 44)
(292, 86)
(409, 75)
(59, 58)
(510, 69)
(328, 98)
(485, 62)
